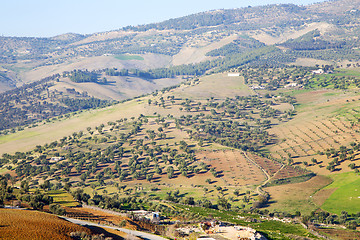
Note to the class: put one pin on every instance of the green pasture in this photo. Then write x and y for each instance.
(18, 136)
(347, 72)
(63, 198)
(346, 196)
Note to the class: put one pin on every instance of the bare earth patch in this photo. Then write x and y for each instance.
(320, 197)
(233, 167)
(340, 234)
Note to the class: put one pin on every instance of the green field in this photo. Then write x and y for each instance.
(347, 194)
(129, 57)
(62, 197)
(347, 72)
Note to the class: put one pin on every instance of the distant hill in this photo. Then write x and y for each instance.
(324, 31)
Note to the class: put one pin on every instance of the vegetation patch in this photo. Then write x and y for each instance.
(338, 233)
(291, 198)
(345, 198)
(63, 198)
(290, 180)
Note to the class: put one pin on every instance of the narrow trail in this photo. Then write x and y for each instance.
(259, 189)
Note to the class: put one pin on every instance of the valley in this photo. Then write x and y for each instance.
(217, 118)
(170, 146)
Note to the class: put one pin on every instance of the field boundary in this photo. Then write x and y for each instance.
(258, 188)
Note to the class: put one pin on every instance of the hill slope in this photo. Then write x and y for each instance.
(188, 39)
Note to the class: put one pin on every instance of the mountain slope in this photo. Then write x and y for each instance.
(220, 37)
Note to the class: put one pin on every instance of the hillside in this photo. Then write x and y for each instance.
(248, 116)
(240, 147)
(22, 224)
(190, 39)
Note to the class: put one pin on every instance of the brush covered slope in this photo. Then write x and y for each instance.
(237, 148)
(323, 32)
(217, 115)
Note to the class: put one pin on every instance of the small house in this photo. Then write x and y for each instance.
(233, 74)
(319, 71)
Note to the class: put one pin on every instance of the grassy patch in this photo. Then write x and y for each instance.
(129, 57)
(290, 180)
(329, 94)
(296, 197)
(17, 136)
(340, 180)
(3, 170)
(63, 198)
(347, 194)
(346, 72)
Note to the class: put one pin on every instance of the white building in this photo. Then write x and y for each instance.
(233, 74)
(319, 71)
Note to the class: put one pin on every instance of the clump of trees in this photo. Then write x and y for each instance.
(6, 191)
(80, 76)
(351, 221)
(37, 200)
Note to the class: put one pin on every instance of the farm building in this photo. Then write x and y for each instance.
(319, 71)
(154, 217)
(257, 87)
(56, 159)
(292, 85)
(233, 74)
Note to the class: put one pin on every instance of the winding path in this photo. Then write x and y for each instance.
(259, 189)
(142, 235)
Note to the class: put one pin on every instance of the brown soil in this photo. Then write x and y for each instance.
(340, 234)
(98, 216)
(26, 224)
(233, 167)
(320, 197)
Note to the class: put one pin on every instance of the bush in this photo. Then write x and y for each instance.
(56, 209)
(122, 223)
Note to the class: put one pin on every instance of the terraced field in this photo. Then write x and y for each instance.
(307, 139)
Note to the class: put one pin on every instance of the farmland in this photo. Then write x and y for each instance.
(248, 116)
(129, 57)
(208, 87)
(235, 168)
(345, 196)
(339, 234)
(163, 148)
(23, 224)
(326, 128)
(292, 197)
(63, 198)
(230, 149)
